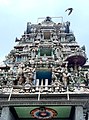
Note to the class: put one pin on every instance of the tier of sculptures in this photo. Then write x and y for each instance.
(63, 78)
(46, 45)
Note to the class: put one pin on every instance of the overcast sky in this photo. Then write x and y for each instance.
(14, 15)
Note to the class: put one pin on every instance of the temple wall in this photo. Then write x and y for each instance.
(6, 114)
(78, 113)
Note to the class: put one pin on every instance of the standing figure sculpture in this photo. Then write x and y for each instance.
(87, 78)
(65, 78)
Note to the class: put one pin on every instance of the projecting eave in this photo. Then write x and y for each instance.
(78, 58)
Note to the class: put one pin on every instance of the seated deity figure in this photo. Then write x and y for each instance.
(21, 79)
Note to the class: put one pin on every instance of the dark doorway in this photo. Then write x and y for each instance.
(44, 74)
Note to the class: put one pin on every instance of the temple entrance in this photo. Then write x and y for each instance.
(41, 112)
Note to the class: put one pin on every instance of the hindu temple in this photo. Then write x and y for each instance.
(46, 75)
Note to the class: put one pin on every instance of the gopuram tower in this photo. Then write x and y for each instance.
(45, 76)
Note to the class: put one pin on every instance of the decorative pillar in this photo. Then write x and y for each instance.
(79, 113)
(88, 115)
(41, 85)
(41, 82)
(37, 84)
(46, 84)
(6, 114)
